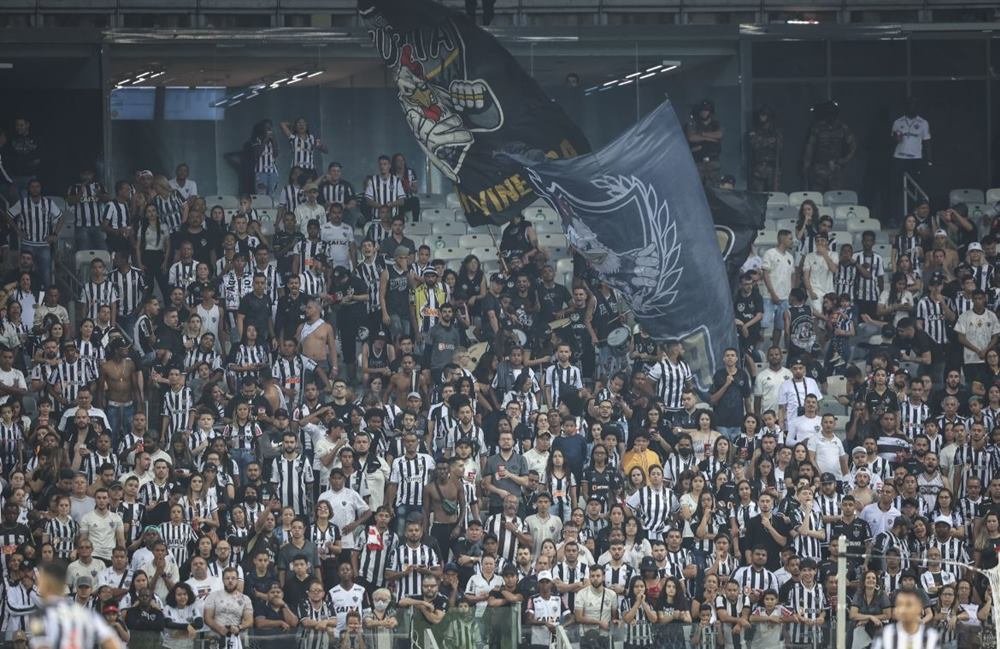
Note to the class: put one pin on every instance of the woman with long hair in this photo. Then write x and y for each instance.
(601, 479)
(153, 250)
(89, 344)
(140, 581)
(690, 506)
(919, 538)
(249, 357)
(806, 227)
(908, 243)
(719, 461)
(674, 614)
(238, 532)
(304, 143)
(896, 301)
(13, 330)
(636, 544)
(181, 612)
(869, 610)
(944, 505)
(172, 207)
(987, 542)
(200, 509)
(706, 525)
(914, 278)
(561, 485)
(326, 536)
(947, 616)
(704, 436)
(744, 509)
(399, 169)
(639, 615)
(471, 284)
(706, 598)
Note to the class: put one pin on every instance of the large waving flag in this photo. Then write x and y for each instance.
(467, 100)
(637, 212)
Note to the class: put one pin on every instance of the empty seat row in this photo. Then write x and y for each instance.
(831, 198)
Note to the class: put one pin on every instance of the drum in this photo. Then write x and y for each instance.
(520, 336)
(618, 337)
(559, 324)
(475, 353)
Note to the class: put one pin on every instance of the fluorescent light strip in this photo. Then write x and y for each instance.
(646, 76)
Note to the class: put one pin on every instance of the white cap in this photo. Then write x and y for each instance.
(943, 519)
(545, 574)
(975, 245)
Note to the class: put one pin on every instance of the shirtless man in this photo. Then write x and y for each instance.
(319, 340)
(406, 380)
(444, 498)
(119, 388)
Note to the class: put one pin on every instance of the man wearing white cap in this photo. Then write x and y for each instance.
(545, 611)
(982, 270)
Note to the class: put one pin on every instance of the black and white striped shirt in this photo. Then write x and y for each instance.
(303, 147)
(507, 541)
(960, 304)
(97, 294)
(313, 638)
(64, 624)
(182, 273)
(894, 637)
(37, 219)
(617, 576)
(571, 574)
(369, 273)
(116, 214)
(291, 374)
(750, 579)
(87, 210)
(243, 437)
(293, 479)
(312, 283)
(866, 289)
(654, 509)
(807, 546)
(932, 315)
(291, 197)
(912, 417)
(170, 208)
(197, 356)
(845, 279)
(266, 160)
(309, 249)
(563, 380)
(131, 287)
(70, 377)
(670, 380)
(375, 553)
(953, 554)
(176, 405)
(62, 535)
(411, 474)
(178, 537)
(92, 464)
(271, 276)
(377, 232)
(411, 584)
(11, 443)
(341, 192)
(384, 190)
(152, 493)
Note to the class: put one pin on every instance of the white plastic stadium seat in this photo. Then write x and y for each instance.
(452, 201)
(777, 198)
(785, 224)
(847, 212)
(437, 214)
(564, 266)
(87, 256)
(977, 211)
(441, 242)
(547, 227)
(450, 254)
(557, 253)
(475, 241)
(836, 386)
(224, 201)
(966, 196)
(261, 200)
(842, 236)
(268, 214)
(534, 213)
(484, 252)
(553, 241)
(795, 199)
(860, 225)
(767, 238)
(993, 196)
(836, 197)
(419, 229)
(448, 227)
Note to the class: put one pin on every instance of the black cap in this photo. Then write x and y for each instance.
(827, 477)
(497, 278)
(451, 566)
(647, 563)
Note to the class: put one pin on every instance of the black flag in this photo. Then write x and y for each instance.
(636, 212)
(738, 215)
(466, 99)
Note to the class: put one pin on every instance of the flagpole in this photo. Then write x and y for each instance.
(841, 629)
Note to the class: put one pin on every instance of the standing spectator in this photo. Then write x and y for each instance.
(912, 153)
(413, 562)
(145, 622)
(262, 154)
(730, 394)
(183, 185)
(228, 612)
(86, 197)
(26, 161)
(406, 176)
(409, 475)
(594, 607)
(978, 332)
(704, 136)
(304, 144)
(766, 142)
(384, 190)
(829, 147)
(38, 220)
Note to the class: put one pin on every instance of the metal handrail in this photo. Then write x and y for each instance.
(912, 191)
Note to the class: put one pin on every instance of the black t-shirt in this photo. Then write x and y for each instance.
(256, 311)
(729, 410)
(747, 307)
(552, 299)
(290, 314)
(203, 243)
(490, 303)
(172, 339)
(759, 536)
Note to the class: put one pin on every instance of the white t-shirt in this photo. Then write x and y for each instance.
(820, 275)
(102, 531)
(345, 601)
(792, 394)
(479, 585)
(802, 429)
(780, 267)
(338, 239)
(767, 386)
(596, 606)
(204, 587)
(915, 132)
(347, 505)
(828, 454)
(906, 297)
(12, 377)
(189, 189)
(978, 330)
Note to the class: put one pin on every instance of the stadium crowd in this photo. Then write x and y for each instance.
(325, 434)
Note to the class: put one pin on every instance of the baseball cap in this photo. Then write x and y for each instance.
(547, 433)
(414, 395)
(281, 412)
(859, 450)
(975, 245)
(827, 478)
(545, 575)
(940, 232)
(401, 251)
(940, 518)
(84, 581)
(451, 566)
(109, 608)
(150, 528)
(430, 270)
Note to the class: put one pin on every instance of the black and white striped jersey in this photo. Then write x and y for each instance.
(91, 466)
(87, 209)
(377, 232)
(960, 304)
(266, 161)
(618, 576)
(152, 493)
(35, 218)
(179, 538)
(246, 354)
(562, 380)
(983, 463)
(670, 379)
(932, 316)
(314, 638)
(62, 535)
(912, 417)
(170, 208)
(806, 601)
(242, 436)
(370, 273)
(197, 356)
(828, 506)
(340, 192)
(303, 150)
(893, 636)
(97, 294)
(384, 190)
(751, 579)
(271, 276)
(507, 541)
(845, 280)
(312, 283)
(64, 624)
(309, 249)
(954, 554)
(374, 555)
(866, 289)
(177, 404)
(116, 214)
(807, 546)
(131, 286)
(411, 584)
(69, 377)
(131, 514)
(655, 508)
(410, 475)
(182, 273)
(291, 197)
(12, 445)
(571, 573)
(908, 246)
(293, 479)
(291, 375)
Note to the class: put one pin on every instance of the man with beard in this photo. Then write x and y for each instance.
(427, 611)
(769, 530)
(442, 340)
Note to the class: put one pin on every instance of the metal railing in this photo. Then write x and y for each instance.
(912, 192)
